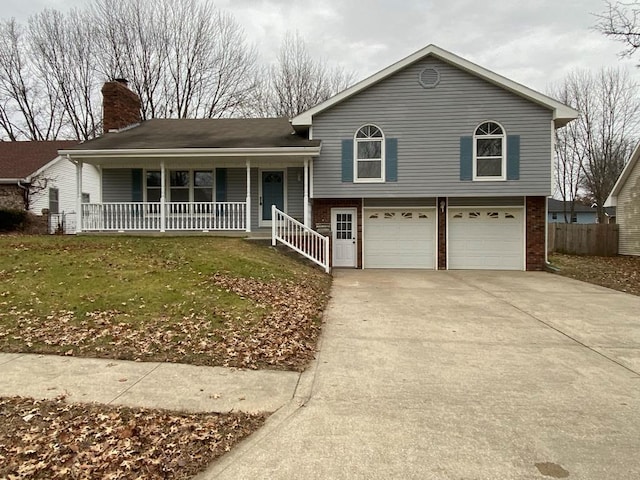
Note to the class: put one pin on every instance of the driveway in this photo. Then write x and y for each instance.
(461, 375)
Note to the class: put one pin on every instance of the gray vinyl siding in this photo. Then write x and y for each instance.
(400, 202)
(428, 124)
(628, 214)
(295, 193)
(117, 185)
(237, 190)
(486, 202)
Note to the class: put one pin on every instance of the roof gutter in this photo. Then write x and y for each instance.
(194, 152)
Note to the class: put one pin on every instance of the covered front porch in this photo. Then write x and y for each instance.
(195, 175)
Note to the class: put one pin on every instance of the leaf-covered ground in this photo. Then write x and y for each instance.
(198, 300)
(619, 273)
(50, 439)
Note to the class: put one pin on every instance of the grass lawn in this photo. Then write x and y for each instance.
(199, 300)
(619, 273)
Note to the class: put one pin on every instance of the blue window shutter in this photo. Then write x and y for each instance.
(136, 185)
(221, 184)
(391, 160)
(466, 158)
(347, 160)
(513, 157)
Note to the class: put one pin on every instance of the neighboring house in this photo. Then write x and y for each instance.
(33, 176)
(434, 162)
(625, 196)
(581, 213)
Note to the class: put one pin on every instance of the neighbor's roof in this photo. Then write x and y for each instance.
(612, 201)
(562, 114)
(557, 206)
(18, 160)
(224, 134)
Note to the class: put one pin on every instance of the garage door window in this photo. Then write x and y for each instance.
(489, 152)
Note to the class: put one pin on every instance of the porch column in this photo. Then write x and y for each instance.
(248, 200)
(163, 207)
(306, 193)
(78, 196)
(99, 199)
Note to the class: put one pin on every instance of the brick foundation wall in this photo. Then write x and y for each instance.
(322, 214)
(11, 197)
(536, 218)
(120, 106)
(442, 234)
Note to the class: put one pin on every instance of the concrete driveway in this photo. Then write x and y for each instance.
(461, 375)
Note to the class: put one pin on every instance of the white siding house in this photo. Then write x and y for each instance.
(61, 176)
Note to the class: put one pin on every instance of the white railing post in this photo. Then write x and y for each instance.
(79, 196)
(163, 206)
(274, 220)
(248, 212)
(306, 193)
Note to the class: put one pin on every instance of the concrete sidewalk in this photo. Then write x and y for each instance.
(150, 385)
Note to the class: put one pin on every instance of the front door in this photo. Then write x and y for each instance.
(344, 227)
(272, 192)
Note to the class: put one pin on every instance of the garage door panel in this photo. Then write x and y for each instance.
(487, 238)
(399, 238)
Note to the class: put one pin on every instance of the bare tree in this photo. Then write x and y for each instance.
(592, 150)
(29, 105)
(184, 58)
(132, 44)
(621, 21)
(298, 82)
(64, 55)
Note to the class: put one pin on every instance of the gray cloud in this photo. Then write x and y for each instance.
(535, 43)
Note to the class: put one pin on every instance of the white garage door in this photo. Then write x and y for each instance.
(486, 238)
(399, 238)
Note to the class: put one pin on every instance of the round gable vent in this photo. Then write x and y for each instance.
(429, 77)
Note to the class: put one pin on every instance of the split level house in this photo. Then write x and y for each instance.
(433, 162)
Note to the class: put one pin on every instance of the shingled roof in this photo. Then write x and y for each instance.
(201, 133)
(18, 160)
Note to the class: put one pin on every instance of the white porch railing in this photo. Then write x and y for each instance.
(147, 216)
(295, 235)
(206, 216)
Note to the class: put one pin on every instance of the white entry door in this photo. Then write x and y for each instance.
(344, 225)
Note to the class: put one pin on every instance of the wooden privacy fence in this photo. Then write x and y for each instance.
(584, 239)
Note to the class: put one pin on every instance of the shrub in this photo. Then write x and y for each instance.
(12, 220)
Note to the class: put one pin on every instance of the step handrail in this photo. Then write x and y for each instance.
(295, 235)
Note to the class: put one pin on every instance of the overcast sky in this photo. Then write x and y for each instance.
(536, 42)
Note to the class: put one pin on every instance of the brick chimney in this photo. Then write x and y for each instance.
(120, 106)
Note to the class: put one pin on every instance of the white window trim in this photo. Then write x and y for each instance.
(167, 187)
(382, 178)
(503, 137)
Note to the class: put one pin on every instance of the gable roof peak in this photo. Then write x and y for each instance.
(562, 114)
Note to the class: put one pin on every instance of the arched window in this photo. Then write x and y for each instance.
(369, 154)
(489, 152)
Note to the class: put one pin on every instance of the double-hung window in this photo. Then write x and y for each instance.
(369, 155)
(489, 152)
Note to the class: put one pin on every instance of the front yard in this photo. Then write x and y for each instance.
(198, 300)
(619, 273)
